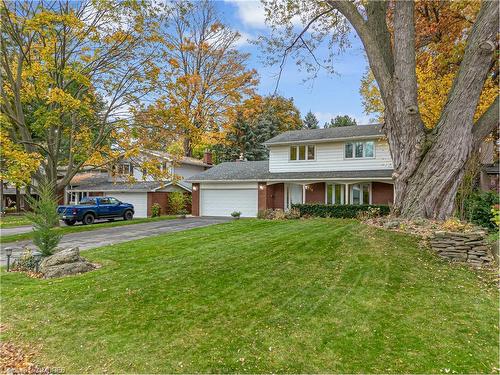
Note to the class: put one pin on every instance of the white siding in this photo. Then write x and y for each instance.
(183, 171)
(187, 170)
(329, 157)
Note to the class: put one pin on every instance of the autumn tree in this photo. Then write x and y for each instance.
(70, 72)
(310, 121)
(340, 120)
(203, 76)
(440, 45)
(263, 118)
(240, 141)
(16, 165)
(428, 163)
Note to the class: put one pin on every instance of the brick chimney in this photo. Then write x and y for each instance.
(207, 157)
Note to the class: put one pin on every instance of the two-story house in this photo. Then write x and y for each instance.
(343, 165)
(129, 182)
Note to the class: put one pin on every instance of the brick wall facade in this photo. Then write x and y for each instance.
(262, 190)
(382, 193)
(275, 196)
(315, 193)
(158, 197)
(195, 200)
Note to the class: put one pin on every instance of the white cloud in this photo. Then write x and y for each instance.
(250, 12)
(244, 39)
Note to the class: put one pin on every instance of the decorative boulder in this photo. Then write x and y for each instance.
(65, 262)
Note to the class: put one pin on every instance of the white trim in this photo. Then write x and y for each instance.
(297, 179)
(354, 157)
(306, 153)
(325, 140)
(361, 192)
(342, 193)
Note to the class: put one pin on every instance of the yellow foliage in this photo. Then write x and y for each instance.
(17, 165)
(440, 30)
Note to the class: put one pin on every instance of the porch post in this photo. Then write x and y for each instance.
(346, 199)
(262, 196)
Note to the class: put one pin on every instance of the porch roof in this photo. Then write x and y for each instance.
(259, 171)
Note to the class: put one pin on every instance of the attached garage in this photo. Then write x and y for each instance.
(139, 200)
(223, 199)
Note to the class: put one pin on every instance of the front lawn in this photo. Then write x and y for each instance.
(304, 296)
(10, 221)
(84, 228)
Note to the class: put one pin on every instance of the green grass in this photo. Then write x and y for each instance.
(84, 228)
(11, 221)
(304, 296)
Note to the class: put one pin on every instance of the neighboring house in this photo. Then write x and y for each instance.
(489, 175)
(344, 165)
(10, 196)
(127, 182)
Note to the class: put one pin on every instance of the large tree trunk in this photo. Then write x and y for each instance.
(428, 166)
(431, 188)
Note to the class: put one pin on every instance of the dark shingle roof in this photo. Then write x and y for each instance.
(491, 168)
(243, 170)
(95, 182)
(259, 171)
(341, 132)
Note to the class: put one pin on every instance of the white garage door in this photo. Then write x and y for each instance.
(139, 200)
(220, 202)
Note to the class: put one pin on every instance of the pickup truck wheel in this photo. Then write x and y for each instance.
(88, 219)
(70, 222)
(128, 215)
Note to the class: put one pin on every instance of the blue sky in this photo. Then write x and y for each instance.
(327, 95)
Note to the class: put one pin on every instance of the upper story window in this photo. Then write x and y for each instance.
(123, 169)
(303, 152)
(358, 150)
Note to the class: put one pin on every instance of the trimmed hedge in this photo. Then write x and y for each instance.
(339, 210)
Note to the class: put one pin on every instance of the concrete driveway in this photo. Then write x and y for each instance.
(109, 236)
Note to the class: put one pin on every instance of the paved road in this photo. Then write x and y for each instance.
(109, 236)
(15, 230)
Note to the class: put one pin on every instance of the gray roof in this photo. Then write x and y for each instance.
(341, 132)
(491, 168)
(96, 182)
(259, 171)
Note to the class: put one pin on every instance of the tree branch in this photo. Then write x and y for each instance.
(374, 53)
(473, 72)
(299, 37)
(376, 21)
(405, 65)
(485, 124)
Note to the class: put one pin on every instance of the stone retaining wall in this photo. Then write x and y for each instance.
(462, 247)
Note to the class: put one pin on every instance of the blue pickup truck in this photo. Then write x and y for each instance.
(91, 208)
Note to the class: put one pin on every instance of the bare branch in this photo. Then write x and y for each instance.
(374, 53)
(294, 42)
